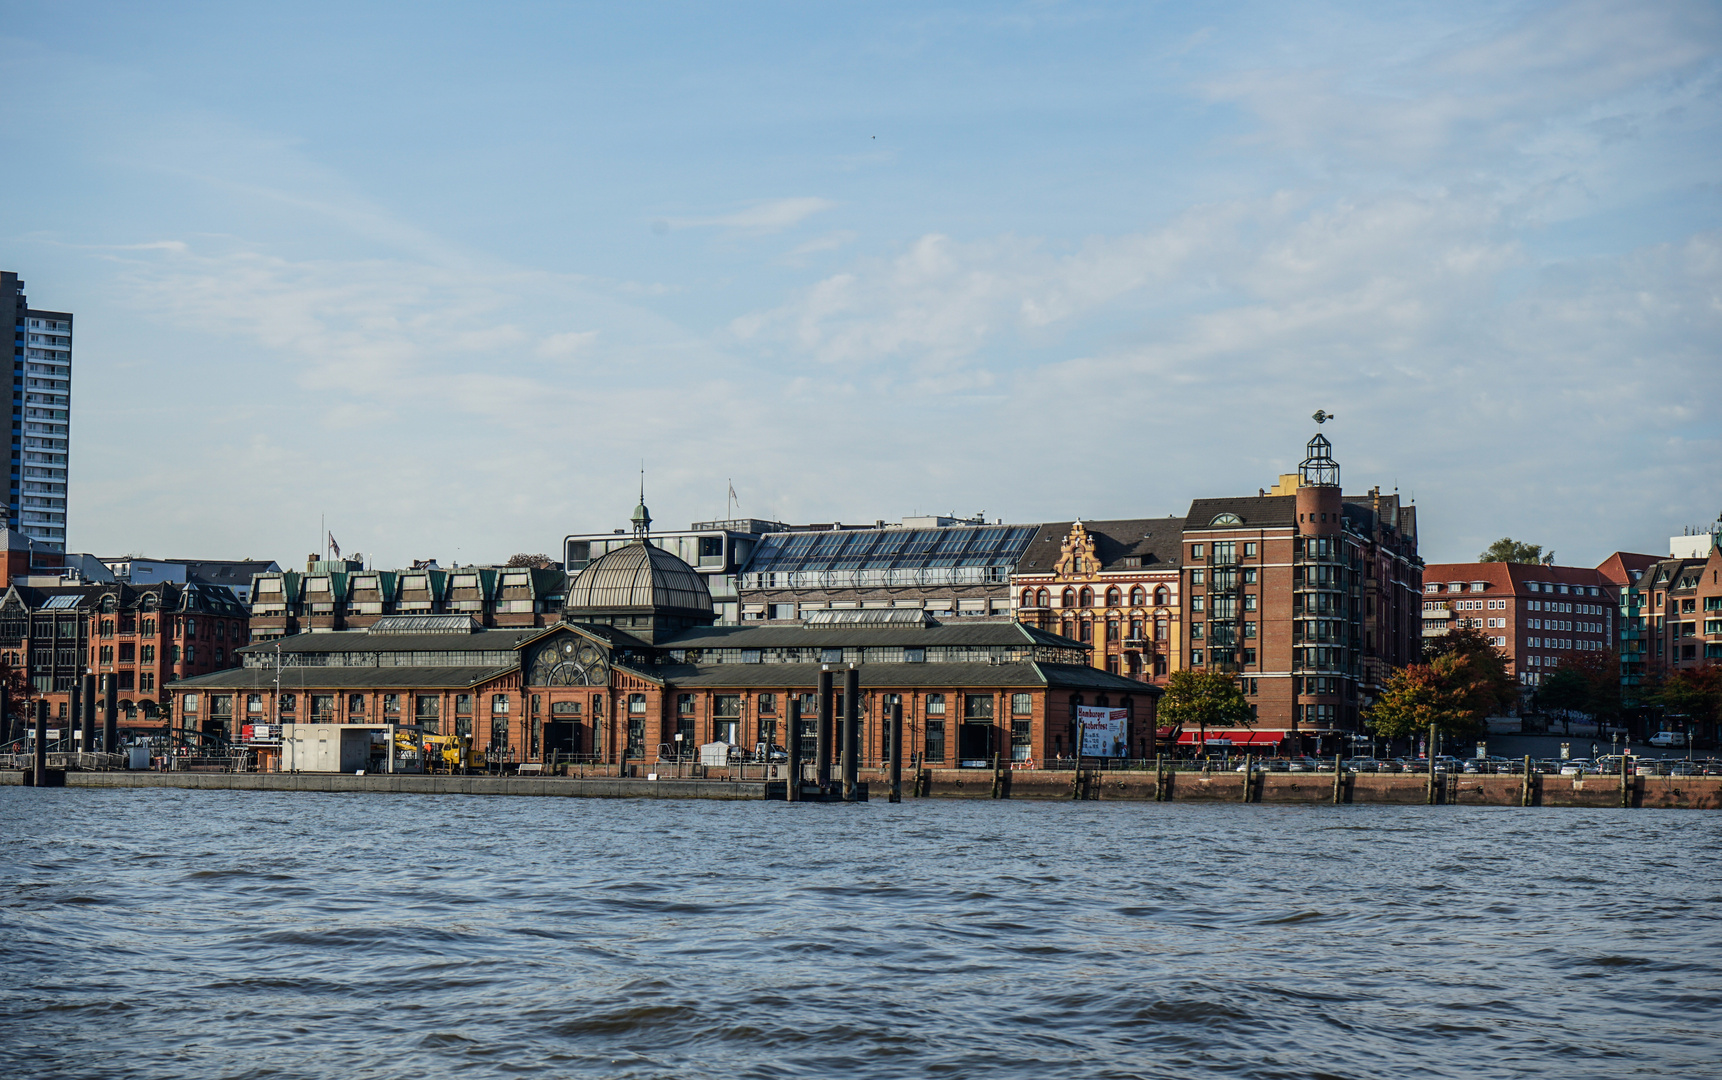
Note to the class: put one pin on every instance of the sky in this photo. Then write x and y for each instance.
(448, 276)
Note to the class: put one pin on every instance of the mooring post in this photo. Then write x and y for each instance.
(1525, 785)
(1625, 792)
(851, 732)
(1338, 779)
(998, 781)
(87, 700)
(41, 755)
(897, 752)
(822, 733)
(75, 719)
(110, 714)
(1429, 785)
(792, 793)
(1249, 775)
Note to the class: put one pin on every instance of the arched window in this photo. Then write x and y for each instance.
(1087, 597)
(1028, 598)
(1069, 598)
(1138, 596)
(1114, 597)
(1042, 598)
(1066, 630)
(1162, 596)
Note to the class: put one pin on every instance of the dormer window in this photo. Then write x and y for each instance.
(1227, 519)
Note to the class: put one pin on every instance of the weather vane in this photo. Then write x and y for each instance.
(1322, 416)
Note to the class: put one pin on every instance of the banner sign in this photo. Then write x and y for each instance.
(1103, 733)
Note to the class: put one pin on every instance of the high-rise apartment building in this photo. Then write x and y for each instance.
(41, 417)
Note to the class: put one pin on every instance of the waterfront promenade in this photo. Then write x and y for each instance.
(1184, 786)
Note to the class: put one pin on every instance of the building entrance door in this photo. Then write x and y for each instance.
(975, 746)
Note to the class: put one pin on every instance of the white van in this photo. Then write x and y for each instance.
(1668, 738)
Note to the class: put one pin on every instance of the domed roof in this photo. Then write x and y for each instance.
(639, 578)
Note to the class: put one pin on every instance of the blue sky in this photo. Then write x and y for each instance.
(448, 273)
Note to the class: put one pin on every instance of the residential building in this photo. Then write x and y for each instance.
(1112, 585)
(1536, 615)
(637, 661)
(1308, 596)
(144, 637)
(41, 416)
(1671, 619)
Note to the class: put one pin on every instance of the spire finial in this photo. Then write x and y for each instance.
(642, 516)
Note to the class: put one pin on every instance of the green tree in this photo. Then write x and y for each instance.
(1202, 699)
(1694, 693)
(1506, 549)
(1565, 689)
(1587, 682)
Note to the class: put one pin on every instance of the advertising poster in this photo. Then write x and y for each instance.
(1103, 733)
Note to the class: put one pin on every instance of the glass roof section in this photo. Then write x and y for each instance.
(859, 558)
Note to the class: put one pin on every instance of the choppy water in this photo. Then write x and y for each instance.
(228, 934)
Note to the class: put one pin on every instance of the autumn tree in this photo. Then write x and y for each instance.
(1506, 549)
(1488, 664)
(1203, 699)
(535, 562)
(1463, 682)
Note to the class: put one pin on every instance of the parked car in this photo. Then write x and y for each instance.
(1685, 768)
(1578, 767)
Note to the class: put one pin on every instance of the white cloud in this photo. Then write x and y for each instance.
(770, 216)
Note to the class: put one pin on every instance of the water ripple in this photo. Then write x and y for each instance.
(155, 934)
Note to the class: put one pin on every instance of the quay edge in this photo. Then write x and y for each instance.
(1646, 792)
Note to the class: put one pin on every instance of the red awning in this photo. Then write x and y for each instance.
(1231, 738)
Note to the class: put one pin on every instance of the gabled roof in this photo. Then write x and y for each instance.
(1256, 512)
(1156, 541)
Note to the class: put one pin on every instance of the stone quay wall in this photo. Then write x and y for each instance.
(1649, 792)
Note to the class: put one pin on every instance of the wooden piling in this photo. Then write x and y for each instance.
(897, 752)
(851, 732)
(1249, 775)
(41, 748)
(1338, 780)
(1625, 791)
(87, 712)
(1525, 784)
(792, 793)
(822, 731)
(110, 714)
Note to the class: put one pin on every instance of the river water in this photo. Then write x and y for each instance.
(163, 933)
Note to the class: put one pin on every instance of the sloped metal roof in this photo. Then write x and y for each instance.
(640, 577)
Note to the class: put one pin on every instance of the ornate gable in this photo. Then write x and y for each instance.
(1076, 558)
